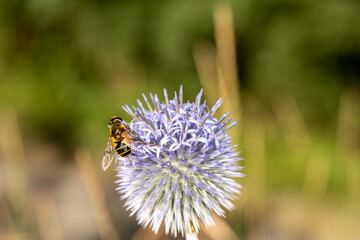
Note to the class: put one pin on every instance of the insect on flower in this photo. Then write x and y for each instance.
(119, 141)
(188, 173)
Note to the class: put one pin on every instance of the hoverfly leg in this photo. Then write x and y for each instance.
(151, 144)
(140, 141)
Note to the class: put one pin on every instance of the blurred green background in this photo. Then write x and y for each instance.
(288, 70)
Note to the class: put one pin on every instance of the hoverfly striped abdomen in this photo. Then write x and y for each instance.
(121, 148)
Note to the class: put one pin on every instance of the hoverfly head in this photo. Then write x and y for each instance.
(115, 119)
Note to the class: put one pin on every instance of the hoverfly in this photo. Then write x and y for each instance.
(119, 141)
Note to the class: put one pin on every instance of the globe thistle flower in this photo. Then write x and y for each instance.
(186, 171)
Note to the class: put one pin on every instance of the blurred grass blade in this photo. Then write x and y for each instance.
(96, 195)
(225, 45)
(348, 142)
(226, 66)
(255, 197)
(292, 124)
(205, 62)
(14, 181)
(221, 230)
(47, 216)
(255, 164)
(317, 173)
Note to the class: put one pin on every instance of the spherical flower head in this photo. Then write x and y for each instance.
(186, 170)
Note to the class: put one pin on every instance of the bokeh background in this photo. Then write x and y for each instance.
(288, 70)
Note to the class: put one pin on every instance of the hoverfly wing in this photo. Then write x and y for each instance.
(109, 155)
(107, 160)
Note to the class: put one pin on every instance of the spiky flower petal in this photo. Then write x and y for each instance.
(187, 170)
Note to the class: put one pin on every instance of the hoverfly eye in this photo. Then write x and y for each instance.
(121, 119)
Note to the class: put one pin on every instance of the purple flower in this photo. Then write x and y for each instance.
(187, 168)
